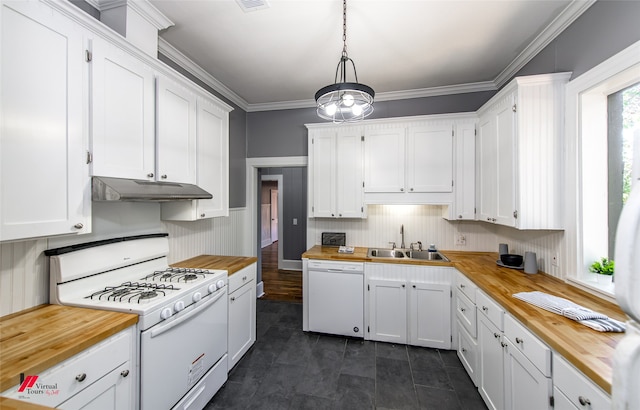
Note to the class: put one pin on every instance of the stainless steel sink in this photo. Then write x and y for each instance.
(406, 253)
(426, 255)
(386, 253)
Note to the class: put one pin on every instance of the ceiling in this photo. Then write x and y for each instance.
(278, 56)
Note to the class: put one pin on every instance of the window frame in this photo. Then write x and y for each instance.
(586, 116)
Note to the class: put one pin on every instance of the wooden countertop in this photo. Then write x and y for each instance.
(13, 404)
(231, 264)
(587, 349)
(36, 339)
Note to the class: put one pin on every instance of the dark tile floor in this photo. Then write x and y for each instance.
(290, 369)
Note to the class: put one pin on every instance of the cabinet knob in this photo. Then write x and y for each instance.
(414, 286)
(484, 308)
(81, 377)
(496, 335)
(584, 401)
(401, 189)
(333, 214)
(79, 225)
(201, 215)
(411, 189)
(518, 340)
(163, 176)
(459, 216)
(232, 298)
(150, 175)
(124, 373)
(462, 286)
(489, 219)
(340, 215)
(464, 350)
(463, 310)
(503, 344)
(493, 219)
(244, 278)
(403, 285)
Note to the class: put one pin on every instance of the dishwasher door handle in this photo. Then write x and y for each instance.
(335, 270)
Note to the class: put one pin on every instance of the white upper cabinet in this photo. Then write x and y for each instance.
(212, 129)
(520, 145)
(176, 132)
(44, 182)
(464, 204)
(429, 158)
(123, 113)
(384, 160)
(335, 173)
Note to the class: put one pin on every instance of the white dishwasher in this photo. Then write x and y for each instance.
(336, 297)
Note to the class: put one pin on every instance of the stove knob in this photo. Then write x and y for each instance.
(220, 284)
(212, 288)
(196, 297)
(166, 313)
(178, 306)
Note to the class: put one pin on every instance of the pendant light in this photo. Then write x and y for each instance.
(345, 101)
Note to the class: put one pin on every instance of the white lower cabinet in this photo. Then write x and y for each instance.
(490, 363)
(467, 352)
(408, 304)
(573, 390)
(101, 377)
(242, 313)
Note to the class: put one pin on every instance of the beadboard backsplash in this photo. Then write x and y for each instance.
(425, 223)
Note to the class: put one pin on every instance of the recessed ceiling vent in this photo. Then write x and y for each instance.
(252, 5)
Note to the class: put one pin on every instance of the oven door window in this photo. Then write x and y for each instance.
(177, 352)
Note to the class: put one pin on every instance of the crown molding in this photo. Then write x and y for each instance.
(557, 26)
(142, 7)
(194, 69)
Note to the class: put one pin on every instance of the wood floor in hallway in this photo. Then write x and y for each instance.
(283, 285)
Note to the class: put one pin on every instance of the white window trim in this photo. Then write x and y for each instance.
(576, 273)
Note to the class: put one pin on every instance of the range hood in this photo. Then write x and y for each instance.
(120, 189)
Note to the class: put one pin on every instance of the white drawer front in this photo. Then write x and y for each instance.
(581, 391)
(242, 277)
(466, 286)
(466, 313)
(490, 309)
(468, 352)
(535, 350)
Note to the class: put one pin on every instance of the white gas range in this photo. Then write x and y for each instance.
(181, 310)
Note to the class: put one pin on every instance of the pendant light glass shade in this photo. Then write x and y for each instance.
(345, 101)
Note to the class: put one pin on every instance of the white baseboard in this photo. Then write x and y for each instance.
(260, 289)
(288, 264)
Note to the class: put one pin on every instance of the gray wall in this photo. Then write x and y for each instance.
(294, 205)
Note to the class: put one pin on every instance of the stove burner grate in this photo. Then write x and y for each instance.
(177, 275)
(132, 292)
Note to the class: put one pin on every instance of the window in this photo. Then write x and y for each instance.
(602, 111)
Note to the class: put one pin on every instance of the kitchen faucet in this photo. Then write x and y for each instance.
(402, 233)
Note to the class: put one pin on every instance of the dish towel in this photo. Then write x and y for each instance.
(567, 308)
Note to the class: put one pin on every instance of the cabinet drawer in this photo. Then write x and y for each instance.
(533, 349)
(468, 352)
(80, 371)
(490, 309)
(577, 387)
(242, 277)
(466, 313)
(466, 286)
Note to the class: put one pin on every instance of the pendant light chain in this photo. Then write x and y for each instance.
(344, 28)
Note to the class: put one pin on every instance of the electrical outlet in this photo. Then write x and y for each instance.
(554, 260)
(461, 240)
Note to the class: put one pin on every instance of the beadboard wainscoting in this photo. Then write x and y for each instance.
(425, 223)
(214, 236)
(24, 278)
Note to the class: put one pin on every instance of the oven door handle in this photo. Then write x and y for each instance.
(161, 329)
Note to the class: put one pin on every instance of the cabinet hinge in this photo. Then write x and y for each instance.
(88, 55)
(451, 338)
(514, 108)
(368, 330)
(452, 182)
(89, 157)
(475, 132)
(450, 293)
(363, 184)
(362, 138)
(312, 140)
(552, 401)
(368, 288)
(313, 208)
(515, 214)
(362, 209)
(452, 133)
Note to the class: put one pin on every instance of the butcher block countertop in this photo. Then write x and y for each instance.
(36, 339)
(587, 349)
(231, 264)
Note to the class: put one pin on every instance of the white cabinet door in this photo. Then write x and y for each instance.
(112, 391)
(348, 192)
(487, 169)
(430, 315)
(384, 160)
(468, 352)
(505, 118)
(388, 310)
(176, 132)
(465, 172)
(122, 114)
(324, 169)
(429, 158)
(490, 364)
(212, 165)
(525, 386)
(242, 322)
(44, 182)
